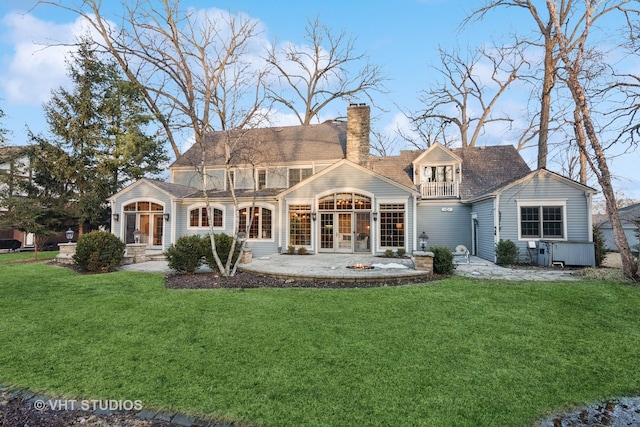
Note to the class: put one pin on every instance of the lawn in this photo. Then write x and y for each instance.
(17, 257)
(456, 352)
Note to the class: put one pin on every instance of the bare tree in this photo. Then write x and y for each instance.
(329, 68)
(570, 19)
(465, 99)
(195, 70)
(571, 51)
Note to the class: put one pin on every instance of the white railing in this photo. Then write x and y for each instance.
(432, 190)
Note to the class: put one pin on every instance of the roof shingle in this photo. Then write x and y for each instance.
(326, 141)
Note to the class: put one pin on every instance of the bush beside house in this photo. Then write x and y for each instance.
(99, 252)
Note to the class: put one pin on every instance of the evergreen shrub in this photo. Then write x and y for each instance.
(442, 260)
(99, 252)
(187, 254)
(506, 252)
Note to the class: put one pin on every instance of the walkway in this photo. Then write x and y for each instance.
(481, 269)
(334, 266)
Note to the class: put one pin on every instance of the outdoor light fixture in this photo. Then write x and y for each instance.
(313, 216)
(424, 239)
(166, 217)
(375, 216)
(69, 235)
(136, 236)
(116, 217)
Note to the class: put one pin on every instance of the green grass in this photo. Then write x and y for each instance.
(17, 257)
(452, 353)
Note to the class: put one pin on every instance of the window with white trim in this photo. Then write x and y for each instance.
(392, 224)
(198, 217)
(261, 179)
(542, 222)
(261, 225)
(300, 225)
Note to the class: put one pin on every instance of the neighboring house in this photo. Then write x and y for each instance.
(627, 215)
(317, 186)
(14, 165)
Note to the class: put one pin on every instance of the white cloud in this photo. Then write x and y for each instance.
(36, 64)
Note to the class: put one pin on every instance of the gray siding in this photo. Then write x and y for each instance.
(445, 228)
(544, 187)
(347, 176)
(143, 192)
(437, 155)
(630, 232)
(259, 247)
(485, 238)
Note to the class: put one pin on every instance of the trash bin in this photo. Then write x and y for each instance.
(543, 254)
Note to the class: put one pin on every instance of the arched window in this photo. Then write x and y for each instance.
(198, 217)
(142, 207)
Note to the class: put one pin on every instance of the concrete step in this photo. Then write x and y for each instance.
(156, 257)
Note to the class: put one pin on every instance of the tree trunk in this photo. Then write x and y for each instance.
(629, 265)
(548, 82)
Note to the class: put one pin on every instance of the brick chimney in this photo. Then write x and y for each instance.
(358, 128)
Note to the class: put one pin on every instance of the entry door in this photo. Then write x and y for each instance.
(336, 232)
(151, 228)
(345, 233)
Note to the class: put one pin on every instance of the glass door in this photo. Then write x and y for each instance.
(345, 234)
(326, 232)
(158, 224)
(145, 229)
(363, 232)
(130, 227)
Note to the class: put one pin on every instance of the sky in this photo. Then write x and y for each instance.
(402, 36)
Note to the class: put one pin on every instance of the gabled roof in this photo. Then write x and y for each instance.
(440, 151)
(502, 187)
(307, 143)
(173, 190)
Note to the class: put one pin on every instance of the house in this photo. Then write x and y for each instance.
(317, 186)
(14, 165)
(628, 216)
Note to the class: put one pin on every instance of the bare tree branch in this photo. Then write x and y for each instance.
(311, 77)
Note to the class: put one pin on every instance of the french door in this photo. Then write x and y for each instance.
(344, 232)
(150, 225)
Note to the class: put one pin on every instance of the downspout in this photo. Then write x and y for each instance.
(174, 222)
(280, 226)
(415, 223)
(589, 201)
(496, 224)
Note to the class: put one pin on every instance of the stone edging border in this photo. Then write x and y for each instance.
(42, 403)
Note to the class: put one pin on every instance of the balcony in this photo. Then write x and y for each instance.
(433, 190)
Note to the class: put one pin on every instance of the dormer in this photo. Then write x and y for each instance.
(437, 173)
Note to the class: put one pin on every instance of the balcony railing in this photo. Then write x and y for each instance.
(431, 190)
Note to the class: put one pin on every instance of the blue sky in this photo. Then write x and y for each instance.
(402, 36)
